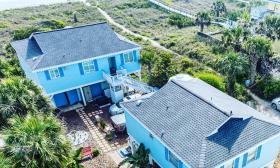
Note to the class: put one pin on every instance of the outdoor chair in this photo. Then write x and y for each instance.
(86, 153)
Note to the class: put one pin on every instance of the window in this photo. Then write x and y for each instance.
(54, 73)
(173, 159)
(128, 57)
(252, 155)
(229, 164)
(88, 66)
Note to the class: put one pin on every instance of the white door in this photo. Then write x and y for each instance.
(87, 93)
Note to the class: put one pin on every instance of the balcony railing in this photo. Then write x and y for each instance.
(115, 80)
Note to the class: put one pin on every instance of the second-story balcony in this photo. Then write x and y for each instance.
(117, 79)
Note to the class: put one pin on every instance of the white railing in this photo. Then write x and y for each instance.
(113, 79)
(137, 85)
(121, 78)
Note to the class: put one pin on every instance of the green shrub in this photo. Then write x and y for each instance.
(95, 152)
(212, 79)
(53, 24)
(186, 63)
(23, 33)
(180, 21)
(241, 93)
(267, 88)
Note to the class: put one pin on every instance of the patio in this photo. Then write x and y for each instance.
(81, 122)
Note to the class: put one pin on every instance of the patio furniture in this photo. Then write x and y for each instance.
(124, 152)
(86, 152)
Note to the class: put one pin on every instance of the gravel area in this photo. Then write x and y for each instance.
(73, 122)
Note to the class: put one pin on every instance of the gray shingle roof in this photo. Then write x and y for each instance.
(189, 119)
(68, 45)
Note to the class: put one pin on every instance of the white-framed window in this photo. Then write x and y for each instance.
(173, 159)
(54, 73)
(128, 57)
(252, 155)
(88, 66)
(229, 164)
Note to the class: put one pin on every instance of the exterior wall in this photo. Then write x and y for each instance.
(28, 72)
(141, 135)
(72, 77)
(268, 154)
(269, 148)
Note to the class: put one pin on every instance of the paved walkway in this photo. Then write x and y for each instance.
(265, 108)
(96, 134)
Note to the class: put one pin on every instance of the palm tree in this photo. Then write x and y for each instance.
(36, 141)
(19, 95)
(203, 19)
(233, 37)
(233, 65)
(148, 58)
(257, 48)
(219, 7)
(227, 38)
(5, 162)
(140, 159)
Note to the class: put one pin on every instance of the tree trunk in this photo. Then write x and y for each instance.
(230, 87)
(201, 27)
(253, 69)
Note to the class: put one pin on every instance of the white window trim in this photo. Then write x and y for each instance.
(254, 152)
(54, 77)
(128, 54)
(91, 63)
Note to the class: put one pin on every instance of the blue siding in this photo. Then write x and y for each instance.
(96, 90)
(267, 153)
(60, 100)
(158, 151)
(73, 97)
(74, 76)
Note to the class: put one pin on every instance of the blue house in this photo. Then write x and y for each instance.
(190, 124)
(81, 64)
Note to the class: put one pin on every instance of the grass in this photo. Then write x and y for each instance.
(34, 16)
(196, 6)
(276, 45)
(148, 20)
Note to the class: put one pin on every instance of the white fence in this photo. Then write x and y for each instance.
(172, 8)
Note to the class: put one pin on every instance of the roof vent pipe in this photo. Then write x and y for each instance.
(162, 133)
(139, 102)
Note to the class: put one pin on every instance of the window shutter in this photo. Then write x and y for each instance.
(122, 59)
(245, 157)
(81, 68)
(61, 72)
(236, 163)
(135, 56)
(166, 154)
(180, 164)
(47, 74)
(95, 65)
(259, 152)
